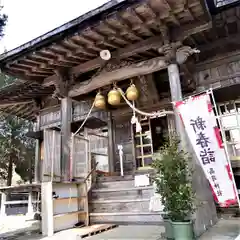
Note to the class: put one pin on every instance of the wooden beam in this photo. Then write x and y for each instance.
(107, 78)
(155, 42)
(219, 43)
(24, 76)
(13, 103)
(218, 60)
(186, 31)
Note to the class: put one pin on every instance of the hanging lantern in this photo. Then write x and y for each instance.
(132, 93)
(114, 97)
(100, 101)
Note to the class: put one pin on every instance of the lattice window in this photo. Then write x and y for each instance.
(229, 115)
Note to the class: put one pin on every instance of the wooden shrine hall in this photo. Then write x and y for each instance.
(67, 81)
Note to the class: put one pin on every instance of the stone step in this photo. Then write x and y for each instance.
(126, 218)
(115, 178)
(233, 211)
(122, 193)
(133, 205)
(115, 184)
(116, 200)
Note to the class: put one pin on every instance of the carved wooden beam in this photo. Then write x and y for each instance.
(107, 78)
(120, 72)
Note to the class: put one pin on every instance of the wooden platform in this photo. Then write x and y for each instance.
(94, 229)
(21, 188)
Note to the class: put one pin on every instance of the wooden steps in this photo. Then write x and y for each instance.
(93, 230)
(120, 205)
(119, 202)
(127, 218)
(122, 189)
(232, 211)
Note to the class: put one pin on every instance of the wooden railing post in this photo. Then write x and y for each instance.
(111, 144)
(3, 205)
(30, 211)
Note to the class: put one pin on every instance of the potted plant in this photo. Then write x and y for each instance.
(168, 227)
(173, 183)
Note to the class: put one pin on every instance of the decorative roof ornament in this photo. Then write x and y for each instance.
(176, 52)
(184, 52)
(105, 55)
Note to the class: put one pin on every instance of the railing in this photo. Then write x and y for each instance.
(86, 189)
(89, 176)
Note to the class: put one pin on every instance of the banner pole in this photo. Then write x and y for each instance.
(224, 144)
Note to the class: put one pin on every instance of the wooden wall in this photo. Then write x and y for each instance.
(220, 71)
(51, 116)
(51, 160)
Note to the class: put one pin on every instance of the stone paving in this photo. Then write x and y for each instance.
(131, 232)
(225, 229)
(13, 226)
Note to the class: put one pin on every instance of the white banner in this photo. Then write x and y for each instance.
(200, 124)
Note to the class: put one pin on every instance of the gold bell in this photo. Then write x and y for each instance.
(100, 101)
(114, 97)
(132, 93)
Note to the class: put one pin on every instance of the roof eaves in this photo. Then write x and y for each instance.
(67, 28)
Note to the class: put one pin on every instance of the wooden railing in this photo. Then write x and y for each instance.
(86, 191)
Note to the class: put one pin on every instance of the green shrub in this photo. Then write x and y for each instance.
(173, 181)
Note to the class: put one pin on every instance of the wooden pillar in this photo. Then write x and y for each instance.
(176, 95)
(111, 144)
(66, 116)
(37, 165)
(171, 125)
(206, 213)
(47, 209)
(3, 204)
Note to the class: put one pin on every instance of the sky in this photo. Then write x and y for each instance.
(28, 19)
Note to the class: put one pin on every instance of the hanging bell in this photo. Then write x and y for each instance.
(100, 101)
(114, 97)
(132, 93)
